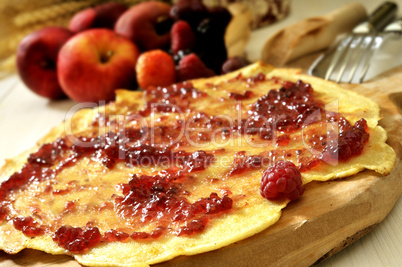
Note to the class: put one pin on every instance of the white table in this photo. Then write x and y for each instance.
(25, 117)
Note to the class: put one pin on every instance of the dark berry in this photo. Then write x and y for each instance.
(283, 179)
(182, 37)
(213, 53)
(192, 11)
(220, 17)
(191, 67)
(234, 63)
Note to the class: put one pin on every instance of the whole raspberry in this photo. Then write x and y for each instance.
(155, 68)
(182, 37)
(191, 67)
(282, 179)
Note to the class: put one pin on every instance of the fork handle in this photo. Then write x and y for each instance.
(383, 15)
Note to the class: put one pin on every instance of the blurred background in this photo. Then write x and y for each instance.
(20, 17)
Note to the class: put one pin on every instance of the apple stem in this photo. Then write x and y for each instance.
(48, 64)
(104, 57)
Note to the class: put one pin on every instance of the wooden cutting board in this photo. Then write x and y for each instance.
(329, 216)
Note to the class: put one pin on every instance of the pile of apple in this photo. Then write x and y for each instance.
(112, 46)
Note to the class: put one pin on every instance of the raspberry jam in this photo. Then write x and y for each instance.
(28, 226)
(77, 240)
(237, 96)
(242, 164)
(150, 198)
(161, 196)
(285, 109)
(113, 236)
(350, 142)
(174, 98)
(143, 236)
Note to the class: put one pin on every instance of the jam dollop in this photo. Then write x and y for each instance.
(173, 98)
(350, 142)
(113, 236)
(76, 239)
(238, 97)
(286, 109)
(150, 198)
(242, 163)
(28, 226)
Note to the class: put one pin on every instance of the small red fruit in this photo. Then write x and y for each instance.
(101, 16)
(283, 179)
(183, 37)
(155, 68)
(191, 67)
(144, 23)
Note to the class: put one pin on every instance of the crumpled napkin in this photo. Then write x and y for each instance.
(311, 35)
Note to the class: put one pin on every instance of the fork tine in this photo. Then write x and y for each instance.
(354, 46)
(340, 51)
(373, 46)
(363, 58)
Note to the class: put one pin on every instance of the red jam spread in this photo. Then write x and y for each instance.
(77, 240)
(285, 109)
(161, 199)
(237, 96)
(174, 98)
(28, 226)
(113, 236)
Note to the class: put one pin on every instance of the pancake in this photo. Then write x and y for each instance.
(177, 170)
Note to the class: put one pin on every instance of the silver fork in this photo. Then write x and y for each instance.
(392, 30)
(357, 49)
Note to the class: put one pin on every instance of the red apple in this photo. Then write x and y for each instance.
(83, 20)
(36, 60)
(93, 63)
(147, 24)
(101, 16)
